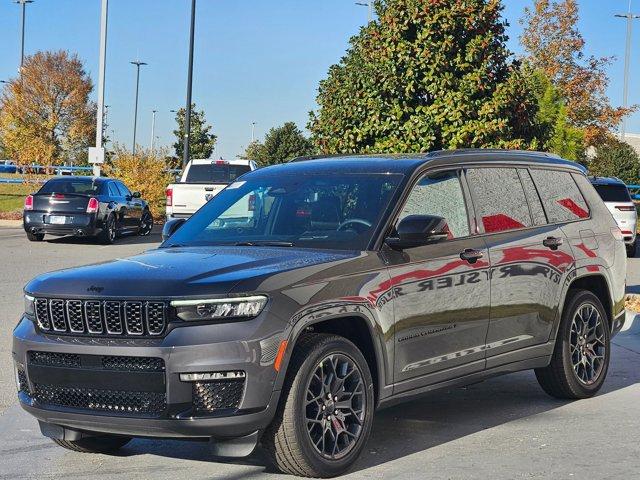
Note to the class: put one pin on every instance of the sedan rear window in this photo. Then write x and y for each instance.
(64, 185)
(613, 193)
(215, 173)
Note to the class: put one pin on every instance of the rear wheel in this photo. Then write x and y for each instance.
(580, 359)
(100, 444)
(326, 409)
(35, 237)
(109, 230)
(146, 224)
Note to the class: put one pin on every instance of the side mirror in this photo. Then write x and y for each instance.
(171, 226)
(418, 230)
(136, 195)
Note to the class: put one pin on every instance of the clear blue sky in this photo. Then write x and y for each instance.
(255, 60)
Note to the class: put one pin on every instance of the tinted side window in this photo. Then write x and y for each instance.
(535, 205)
(113, 190)
(499, 199)
(124, 191)
(440, 195)
(561, 198)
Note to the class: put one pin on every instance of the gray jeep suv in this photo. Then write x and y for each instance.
(305, 296)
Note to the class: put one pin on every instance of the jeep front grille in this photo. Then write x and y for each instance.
(95, 317)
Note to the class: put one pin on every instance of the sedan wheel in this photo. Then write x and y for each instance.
(146, 224)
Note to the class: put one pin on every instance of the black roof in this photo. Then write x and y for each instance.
(407, 163)
(81, 178)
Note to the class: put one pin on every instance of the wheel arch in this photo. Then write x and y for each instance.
(595, 283)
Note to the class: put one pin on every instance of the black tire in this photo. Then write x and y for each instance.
(146, 224)
(35, 237)
(108, 234)
(287, 440)
(100, 444)
(560, 379)
(631, 249)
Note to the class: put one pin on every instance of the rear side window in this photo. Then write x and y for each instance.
(215, 173)
(561, 198)
(124, 191)
(613, 193)
(113, 190)
(499, 199)
(440, 195)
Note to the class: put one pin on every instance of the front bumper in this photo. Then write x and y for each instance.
(191, 349)
(77, 224)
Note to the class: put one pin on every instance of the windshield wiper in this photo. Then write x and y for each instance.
(264, 243)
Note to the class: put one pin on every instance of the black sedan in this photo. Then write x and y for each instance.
(85, 206)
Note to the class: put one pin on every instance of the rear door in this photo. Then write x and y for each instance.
(530, 260)
(441, 301)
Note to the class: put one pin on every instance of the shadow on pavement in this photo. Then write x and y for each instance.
(440, 417)
(126, 239)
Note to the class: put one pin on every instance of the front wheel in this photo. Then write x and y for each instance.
(325, 413)
(100, 444)
(581, 356)
(146, 224)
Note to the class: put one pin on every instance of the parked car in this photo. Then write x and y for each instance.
(85, 206)
(354, 283)
(200, 182)
(8, 166)
(616, 197)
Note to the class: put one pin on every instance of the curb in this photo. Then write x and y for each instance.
(10, 223)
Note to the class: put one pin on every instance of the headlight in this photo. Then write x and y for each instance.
(219, 308)
(30, 306)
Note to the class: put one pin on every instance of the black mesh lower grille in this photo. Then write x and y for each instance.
(133, 364)
(221, 394)
(113, 401)
(23, 385)
(52, 359)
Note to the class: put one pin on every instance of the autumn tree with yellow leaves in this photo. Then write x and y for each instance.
(46, 116)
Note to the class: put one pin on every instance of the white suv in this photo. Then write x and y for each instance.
(618, 200)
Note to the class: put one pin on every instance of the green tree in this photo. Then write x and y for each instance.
(280, 145)
(201, 141)
(428, 74)
(616, 159)
(556, 133)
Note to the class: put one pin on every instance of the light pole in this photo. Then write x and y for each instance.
(138, 64)
(369, 5)
(98, 157)
(153, 128)
(627, 61)
(187, 120)
(24, 13)
(253, 132)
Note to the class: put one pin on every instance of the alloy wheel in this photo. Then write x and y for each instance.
(335, 406)
(588, 344)
(146, 224)
(111, 227)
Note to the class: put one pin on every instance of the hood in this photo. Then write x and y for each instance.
(178, 272)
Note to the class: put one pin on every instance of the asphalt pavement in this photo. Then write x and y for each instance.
(504, 428)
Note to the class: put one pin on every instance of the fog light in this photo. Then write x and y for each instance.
(208, 376)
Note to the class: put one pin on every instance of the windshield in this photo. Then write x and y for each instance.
(71, 186)
(613, 193)
(215, 173)
(328, 211)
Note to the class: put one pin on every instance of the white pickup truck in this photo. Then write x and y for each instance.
(200, 182)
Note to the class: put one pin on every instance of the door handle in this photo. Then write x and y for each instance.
(471, 255)
(552, 242)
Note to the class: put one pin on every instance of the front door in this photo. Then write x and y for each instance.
(441, 301)
(529, 262)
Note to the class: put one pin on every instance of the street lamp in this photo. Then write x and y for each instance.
(369, 5)
(138, 64)
(253, 132)
(24, 12)
(627, 60)
(153, 128)
(187, 122)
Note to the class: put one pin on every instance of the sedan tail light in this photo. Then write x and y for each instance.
(92, 206)
(625, 208)
(169, 197)
(28, 202)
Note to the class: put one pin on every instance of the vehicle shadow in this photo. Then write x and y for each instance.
(127, 239)
(437, 418)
